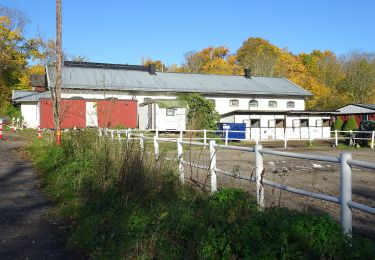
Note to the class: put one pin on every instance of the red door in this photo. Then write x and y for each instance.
(117, 113)
(73, 113)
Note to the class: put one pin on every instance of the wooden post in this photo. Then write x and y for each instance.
(213, 165)
(346, 192)
(259, 175)
(336, 139)
(156, 147)
(372, 139)
(226, 137)
(141, 143)
(180, 159)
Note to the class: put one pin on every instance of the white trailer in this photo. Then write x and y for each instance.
(163, 115)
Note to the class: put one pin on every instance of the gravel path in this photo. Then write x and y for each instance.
(26, 232)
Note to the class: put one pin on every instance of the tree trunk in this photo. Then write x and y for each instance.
(57, 89)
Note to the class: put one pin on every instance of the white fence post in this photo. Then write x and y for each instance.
(119, 135)
(259, 175)
(180, 159)
(346, 192)
(213, 165)
(157, 133)
(336, 140)
(112, 135)
(141, 144)
(285, 141)
(156, 147)
(100, 134)
(372, 139)
(204, 137)
(181, 134)
(226, 137)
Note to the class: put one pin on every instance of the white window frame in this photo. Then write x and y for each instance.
(271, 123)
(291, 104)
(170, 111)
(236, 101)
(272, 102)
(253, 101)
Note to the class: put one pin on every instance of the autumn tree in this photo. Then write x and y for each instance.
(159, 66)
(211, 60)
(259, 55)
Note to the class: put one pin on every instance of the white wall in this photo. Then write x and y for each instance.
(222, 104)
(266, 133)
(30, 114)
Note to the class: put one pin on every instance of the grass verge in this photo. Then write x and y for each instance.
(123, 204)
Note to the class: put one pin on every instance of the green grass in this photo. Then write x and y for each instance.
(122, 205)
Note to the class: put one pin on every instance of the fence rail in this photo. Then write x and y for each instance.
(334, 136)
(344, 160)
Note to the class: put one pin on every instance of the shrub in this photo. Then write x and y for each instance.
(202, 113)
(350, 124)
(338, 124)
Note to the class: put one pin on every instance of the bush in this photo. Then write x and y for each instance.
(202, 113)
(338, 124)
(121, 204)
(350, 124)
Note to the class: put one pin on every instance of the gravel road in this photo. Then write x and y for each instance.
(27, 230)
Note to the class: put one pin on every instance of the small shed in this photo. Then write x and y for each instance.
(163, 114)
(361, 112)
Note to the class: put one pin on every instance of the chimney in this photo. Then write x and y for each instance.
(247, 73)
(151, 69)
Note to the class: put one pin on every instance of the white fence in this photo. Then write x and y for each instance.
(344, 160)
(206, 135)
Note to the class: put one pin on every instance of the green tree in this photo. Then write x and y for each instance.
(350, 124)
(202, 113)
(338, 124)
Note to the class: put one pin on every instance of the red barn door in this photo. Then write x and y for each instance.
(112, 113)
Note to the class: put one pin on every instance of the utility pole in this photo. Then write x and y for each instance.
(57, 89)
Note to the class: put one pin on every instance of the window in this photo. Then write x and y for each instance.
(233, 103)
(146, 99)
(253, 103)
(272, 104)
(280, 123)
(170, 111)
(319, 122)
(290, 104)
(326, 122)
(255, 123)
(304, 122)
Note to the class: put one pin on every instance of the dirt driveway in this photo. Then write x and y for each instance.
(298, 173)
(27, 232)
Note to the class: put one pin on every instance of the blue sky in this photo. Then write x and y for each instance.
(124, 31)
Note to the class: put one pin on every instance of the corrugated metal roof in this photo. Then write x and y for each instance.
(29, 96)
(110, 79)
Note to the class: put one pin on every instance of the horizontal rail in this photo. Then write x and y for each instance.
(303, 192)
(237, 148)
(234, 175)
(194, 143)
(203, 167)
(361, 207)
(301, 156)
(362, 164)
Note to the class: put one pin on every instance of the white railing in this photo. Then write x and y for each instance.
(224, 135)
(344, 160)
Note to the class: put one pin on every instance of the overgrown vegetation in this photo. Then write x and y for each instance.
(202, 113)
(337, 125)
(350, 124)
(121, 204)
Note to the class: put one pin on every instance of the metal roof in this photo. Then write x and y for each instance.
(28, 96)
(130, 80)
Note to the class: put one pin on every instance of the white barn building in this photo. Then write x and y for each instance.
(236, 98)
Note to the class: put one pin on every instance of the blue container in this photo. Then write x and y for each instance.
(233, 127)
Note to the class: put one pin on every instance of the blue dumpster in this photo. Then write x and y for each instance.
(233, 127)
